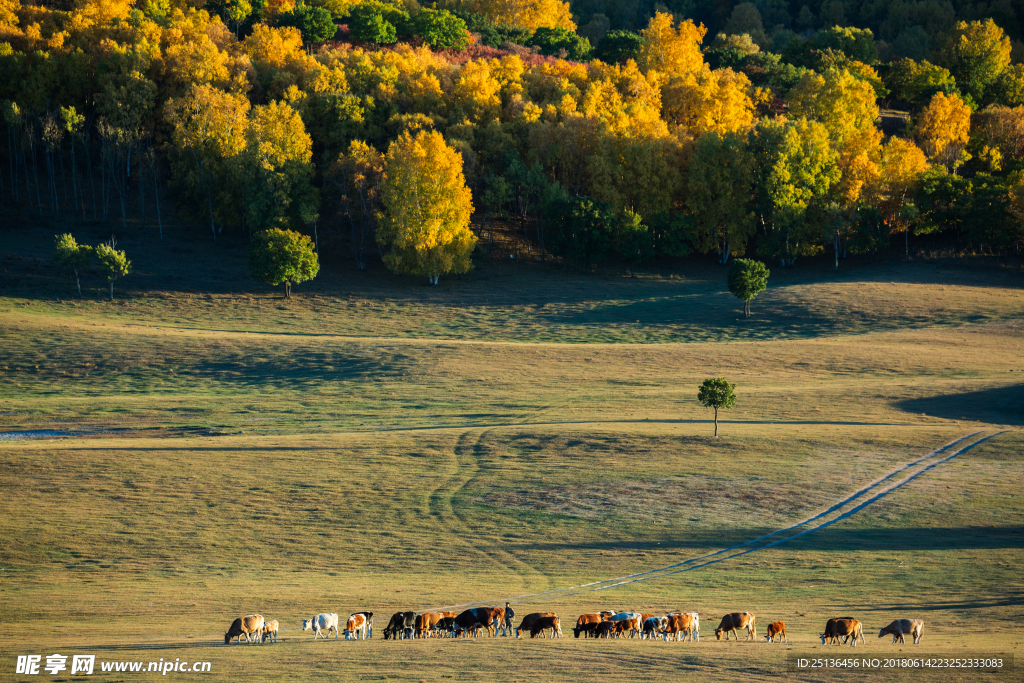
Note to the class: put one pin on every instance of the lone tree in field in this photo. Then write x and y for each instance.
(72, 257)
(717, 393)
(113, 263)
(747, 279)
(427, 207)
(282, 256)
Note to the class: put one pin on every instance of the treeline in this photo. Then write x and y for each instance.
(671, 144)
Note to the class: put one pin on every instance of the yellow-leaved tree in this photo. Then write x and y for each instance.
(531, 14)
(669, 50)
(901, 165)
(716, 101)
(426, 208)
(943, 129)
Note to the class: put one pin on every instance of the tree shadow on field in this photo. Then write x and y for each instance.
(827, 540)
(999, 405)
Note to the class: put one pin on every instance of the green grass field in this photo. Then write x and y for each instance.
(377, 444)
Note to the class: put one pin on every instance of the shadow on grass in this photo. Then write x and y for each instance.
(1001, 405)
(825, 540)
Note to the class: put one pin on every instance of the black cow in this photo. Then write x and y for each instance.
(445, 627)
(400, 626)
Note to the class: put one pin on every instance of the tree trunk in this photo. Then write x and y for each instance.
(111, 290)
(716, 422)
(79, 283)
(287, 290)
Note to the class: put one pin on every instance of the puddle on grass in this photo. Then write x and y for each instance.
(34, 434)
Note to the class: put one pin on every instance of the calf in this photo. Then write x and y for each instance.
(270, 630)
(899, 627)
(250, 626)
(322, 625)
(733, 622)
(777, 628)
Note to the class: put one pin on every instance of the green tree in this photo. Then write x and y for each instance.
(618, 46)
(238, 11)
(426, 208)
(441, 30)
(633, 239)
(316, 24)
(113, 263)
(720, 190)
(795, 166)
(976, 52)
(584, 230)
(747, 279)
(717, 393)
(276, 169)
(378, 22)
(283, 257)
(561, 42)
(72, 257)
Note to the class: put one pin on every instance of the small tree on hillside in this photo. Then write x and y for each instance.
(747, 279)
(72, 257)
(113, 263)
(717, 393)
(283, 257)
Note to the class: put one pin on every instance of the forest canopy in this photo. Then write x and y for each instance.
(771, 129)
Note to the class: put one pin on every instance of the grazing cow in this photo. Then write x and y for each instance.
(899, 627)
(250, 626)
(400, 626)
(654, 625)
(322, 625)
(733, 622)
(842, 628)
(357, 625)
(777, 628)
(529, 620)
(369, 623)
(608, 629)
(677, 625)
(445, 627)
(586, 624)
(549, 621)
(635, 620)
(426, 623)
(270, 631)
(479, 617)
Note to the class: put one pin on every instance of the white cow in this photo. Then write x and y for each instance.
(322, 625)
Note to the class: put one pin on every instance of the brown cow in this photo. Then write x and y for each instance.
(476, 618)
(678, 624)
(530, 619)
(841, 628)
(735, 621)
(899, 627)
(777, 628)
(425, 623)
(357, 624)
(250, 626)
(586, 624)
(544, 623)
(611, 629)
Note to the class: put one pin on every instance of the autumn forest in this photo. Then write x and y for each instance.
(596, 130)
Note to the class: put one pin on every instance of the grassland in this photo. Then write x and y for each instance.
(376, 444)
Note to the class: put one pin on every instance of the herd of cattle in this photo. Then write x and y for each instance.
(675, 626)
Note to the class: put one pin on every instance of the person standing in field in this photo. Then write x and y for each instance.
(509, 615)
